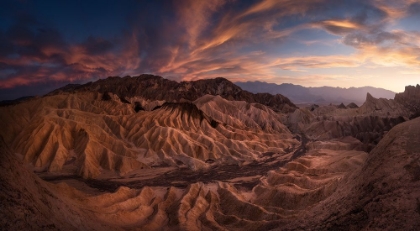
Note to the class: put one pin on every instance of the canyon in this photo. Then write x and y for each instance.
(148, 153)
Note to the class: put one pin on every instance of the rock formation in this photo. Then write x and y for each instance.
(410, 98)
(352, 105)
(382, 107)
(83, 134)
(342, 106)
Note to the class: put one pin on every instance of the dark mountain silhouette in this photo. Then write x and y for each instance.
(319, 95)
(16, 101)
(153, 87)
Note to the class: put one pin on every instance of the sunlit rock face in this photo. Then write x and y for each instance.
(108, 156)
(368, 123)
(410, 98)
(85, 135)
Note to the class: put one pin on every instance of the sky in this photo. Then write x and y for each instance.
(341, 43)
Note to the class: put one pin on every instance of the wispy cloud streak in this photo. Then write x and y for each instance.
(240, 40)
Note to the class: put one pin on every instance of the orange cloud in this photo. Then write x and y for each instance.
(209, 39)
(342, 23)
(331, 61)
(394, 9)
(393, 57)
(231, 28)
(194, 17)
(283, 7)
(72, 63)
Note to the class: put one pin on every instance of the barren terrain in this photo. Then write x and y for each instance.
(97, 158)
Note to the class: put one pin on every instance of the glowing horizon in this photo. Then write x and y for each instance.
(310, 43)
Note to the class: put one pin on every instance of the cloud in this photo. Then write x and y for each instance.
(414, 9)
(194, 17)
(281, 7)
(338, 27)
(396, 9)
(295, 63)
(39, 54)
(377, 38)
(364, 30)
(393, 57)
(190, 45)
(239, 40)
(232, 32)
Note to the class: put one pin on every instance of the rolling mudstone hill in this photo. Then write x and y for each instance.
(146, 153)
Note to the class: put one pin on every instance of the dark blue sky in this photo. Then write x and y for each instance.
(47, 44)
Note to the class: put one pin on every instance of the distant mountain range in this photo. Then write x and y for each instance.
(317, 95)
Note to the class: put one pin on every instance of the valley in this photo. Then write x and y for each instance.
(146, 153)
(182, 177)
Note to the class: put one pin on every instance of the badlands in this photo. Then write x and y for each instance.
(147, 153)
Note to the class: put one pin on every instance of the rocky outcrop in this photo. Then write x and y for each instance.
(368, 123)
(352, 105)
(368, 129)
(342, 106)
(152, 87)
(382, 107)
(410, 98)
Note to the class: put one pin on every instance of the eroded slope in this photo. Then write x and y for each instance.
(82, 134)
(368, 123)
